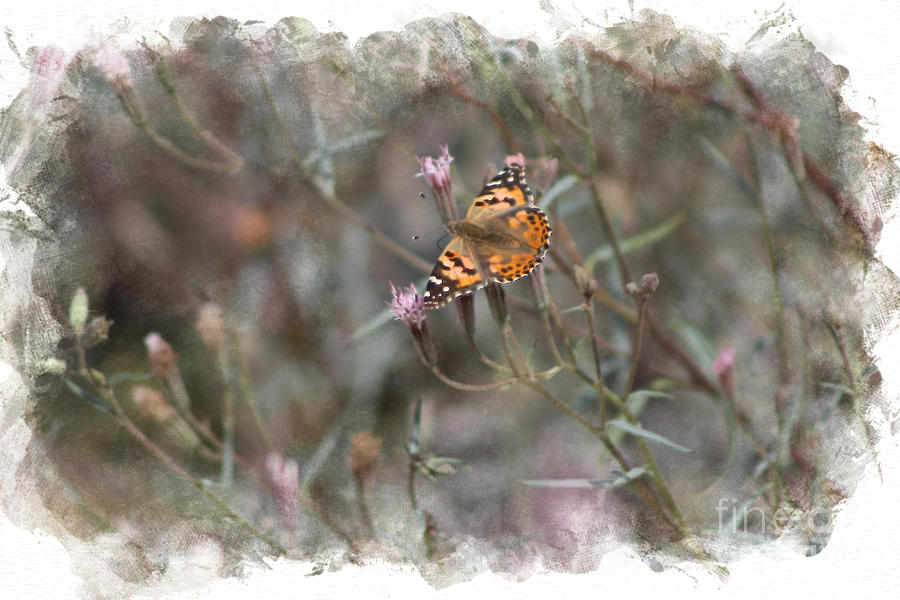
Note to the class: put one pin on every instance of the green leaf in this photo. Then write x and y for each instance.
(358, 139)
(567, 483)
(724, 163)
(86, 395)
(125, 377)
(437, 466)
(647, 394)
(413, 447)
(700, 348)
(605, 253)
(731, 431)
(591, 484)
(78, 311)
(648, 435)
(560, 187)
(625, 478)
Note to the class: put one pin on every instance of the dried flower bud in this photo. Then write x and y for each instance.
(497, 302)
(465, 310)
(649, 283)
(539, 285)
(151, 404)
(211, 326)
(363, 454)
(96, 332)
(723, 367)
(585, 283)
(162, 358)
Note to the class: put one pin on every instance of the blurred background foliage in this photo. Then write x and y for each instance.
(270, 172)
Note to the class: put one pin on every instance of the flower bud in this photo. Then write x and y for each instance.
(649, 283)
(53, 365)
(162, 358)
(409, 307)
(285, 475)
(96, 332)
(437, 175)
(211, 326)
(723, 367)
(78, 311)
(151, 404)
(497, 302)
(465, 309)
(363, 454)
(584, 282)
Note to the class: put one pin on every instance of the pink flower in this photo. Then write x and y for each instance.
(436, 172)
(113, 64)
(285, 475)
(723, 367)
(408, 306)
(162, 358)
(515, 159)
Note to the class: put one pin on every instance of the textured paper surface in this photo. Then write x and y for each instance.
(865, 533)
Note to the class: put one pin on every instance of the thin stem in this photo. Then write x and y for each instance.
(242, 375)
(227, 423)
(329, 199)
(588, 307)
(620, 458)
(468, 387)
(363, 505)
(838, 330)
(411, 483)
(624, 272)
(636, 352)
(482, 357)
(507, 333)
(160, 68)
(499, 122)
(128, 100)
(123, 419)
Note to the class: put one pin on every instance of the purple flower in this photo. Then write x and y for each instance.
(408, 306)
(436, 172)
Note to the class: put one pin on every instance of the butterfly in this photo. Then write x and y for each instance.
(502, 238)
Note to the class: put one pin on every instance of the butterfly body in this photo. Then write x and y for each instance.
(502, 238)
